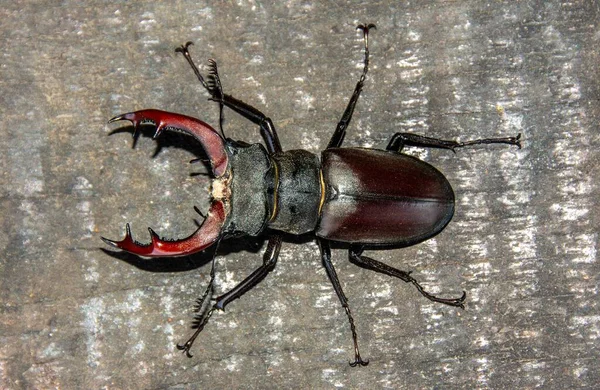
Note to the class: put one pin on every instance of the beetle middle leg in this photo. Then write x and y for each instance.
(340, 132)
(356, 257)
(326, 258)
(269, 260)
(213, 86)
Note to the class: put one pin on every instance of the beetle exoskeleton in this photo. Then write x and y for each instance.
(366, 198)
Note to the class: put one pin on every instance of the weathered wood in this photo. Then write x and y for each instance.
(523, 242)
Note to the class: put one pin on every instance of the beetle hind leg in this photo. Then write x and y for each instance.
(399, 140)
(356, 257)
(326, 258)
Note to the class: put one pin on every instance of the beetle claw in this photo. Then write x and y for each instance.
(211, 141)
(138, 118)
(359, 362)
(128, 244)
(185, 348)
(202, 238)
(184, 48)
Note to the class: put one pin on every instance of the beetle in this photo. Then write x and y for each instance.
(362, 198)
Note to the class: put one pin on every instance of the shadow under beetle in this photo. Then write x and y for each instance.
(366, 198)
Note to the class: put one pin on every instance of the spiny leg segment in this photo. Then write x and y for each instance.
(214, 88)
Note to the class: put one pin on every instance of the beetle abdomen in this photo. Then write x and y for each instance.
(382, 198)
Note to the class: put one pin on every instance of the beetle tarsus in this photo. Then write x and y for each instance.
(455, 302)
(200, 322)
(183, 49)
(359, 362)
(365, 27)
(185, 348)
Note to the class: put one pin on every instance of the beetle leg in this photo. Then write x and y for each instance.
(355, 255)
(399, 140)
(267, 129)
(203, 315)
(269, 260)
(326, 258)
(340, 132)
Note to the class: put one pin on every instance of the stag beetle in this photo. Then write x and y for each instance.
(364, 198)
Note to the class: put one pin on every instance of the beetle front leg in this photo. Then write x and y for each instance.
(269, 260)
(356, 257)
(399, 140)
(326, 258)
(213, 86)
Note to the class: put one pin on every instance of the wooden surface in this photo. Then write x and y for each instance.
(523, 242)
